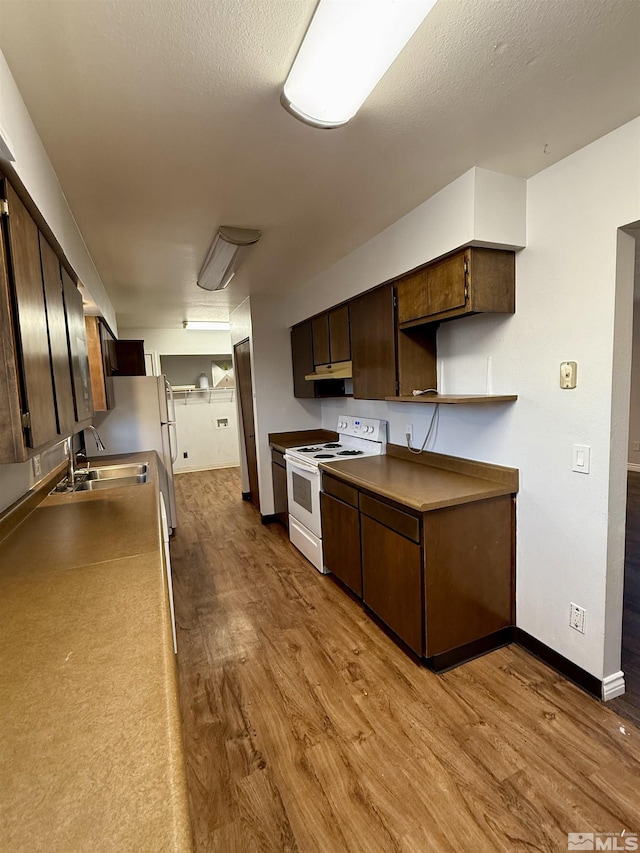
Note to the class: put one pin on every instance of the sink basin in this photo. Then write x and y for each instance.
(106, 477)
(114, 472)
(112, 482)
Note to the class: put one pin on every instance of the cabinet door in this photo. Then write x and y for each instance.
(77, 335)
(32, 330)
(130, 356)
(412, 297)
(339, 334)
(373, 344)
(341, 541)
(321, 350)
(302, 359)
(57, 325)
(109, 361)
(12, 446)
(447, 285)
(392, 581)
(280, 509)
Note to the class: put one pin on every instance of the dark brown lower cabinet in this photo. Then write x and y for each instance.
(441, 580)
(392, 581)
(279, 474)
(341, 541)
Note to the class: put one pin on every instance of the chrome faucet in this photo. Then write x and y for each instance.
(71, 459)
(97, 438)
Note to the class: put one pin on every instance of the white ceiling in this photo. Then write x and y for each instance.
(162, 120)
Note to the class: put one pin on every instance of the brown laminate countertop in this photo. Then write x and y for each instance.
(418, 486)
(282, 441)
(91, 753)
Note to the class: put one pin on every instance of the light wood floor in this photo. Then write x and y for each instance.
(307, 729)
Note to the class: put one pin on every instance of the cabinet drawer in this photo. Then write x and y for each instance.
(278, 458)
(403, 523)
(340, 490)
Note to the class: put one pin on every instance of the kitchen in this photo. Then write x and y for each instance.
(569, 541)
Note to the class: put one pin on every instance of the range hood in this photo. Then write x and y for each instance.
(337, 370)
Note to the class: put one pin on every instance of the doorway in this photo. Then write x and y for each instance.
(628, 705)
(242, 358)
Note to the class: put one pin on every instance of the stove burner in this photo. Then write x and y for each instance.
(350, 453)
(309, 449)
(327, 446)
(324, 456)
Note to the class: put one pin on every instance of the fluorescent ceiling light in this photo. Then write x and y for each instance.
(206, 326)
(348, 47)
(224, 256)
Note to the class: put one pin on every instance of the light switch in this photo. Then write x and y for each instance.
(581, 458)
(568, 374)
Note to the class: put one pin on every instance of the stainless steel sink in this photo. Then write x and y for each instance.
(106, 477)
(91, 485)
(113, 472)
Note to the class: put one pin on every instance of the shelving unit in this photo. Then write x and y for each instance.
(455, 399)
(211, 394)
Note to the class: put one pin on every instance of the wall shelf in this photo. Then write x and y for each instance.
(210, 395)
(455, 399)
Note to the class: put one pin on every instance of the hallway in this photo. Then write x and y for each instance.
(307, 729)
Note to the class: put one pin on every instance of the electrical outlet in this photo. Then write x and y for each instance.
(185, 455)
(408, 431)
(635, 445)
(577, 618)
(37, 466)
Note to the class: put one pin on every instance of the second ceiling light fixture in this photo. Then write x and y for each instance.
(346, 51)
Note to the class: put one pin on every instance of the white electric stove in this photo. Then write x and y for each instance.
(357, 438)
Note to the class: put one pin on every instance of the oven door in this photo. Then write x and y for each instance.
(303, 493)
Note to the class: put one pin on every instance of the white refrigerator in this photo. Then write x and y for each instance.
(143, 418)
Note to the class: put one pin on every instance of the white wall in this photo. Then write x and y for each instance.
(34, 169)
(198, 434)
(208, 445)
(261, 319)
(180, 341)
(17, 479)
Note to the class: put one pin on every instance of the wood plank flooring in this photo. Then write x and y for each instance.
(628, 705)
(307, 729)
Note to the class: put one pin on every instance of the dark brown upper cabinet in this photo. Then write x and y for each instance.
(103, 362)
(130, 354)
(373, 344)
(302, 359)
(471, 281)
(77, 336)
(331, 336)
(388, 362)
(58, 341)
(37, 383)
(38, 409)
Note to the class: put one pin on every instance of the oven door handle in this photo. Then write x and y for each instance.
(301, 466)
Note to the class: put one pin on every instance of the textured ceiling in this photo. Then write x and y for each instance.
(162, 120)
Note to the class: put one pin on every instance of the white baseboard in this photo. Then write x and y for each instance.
(631, 466)
(206, 468)
(612, 686)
